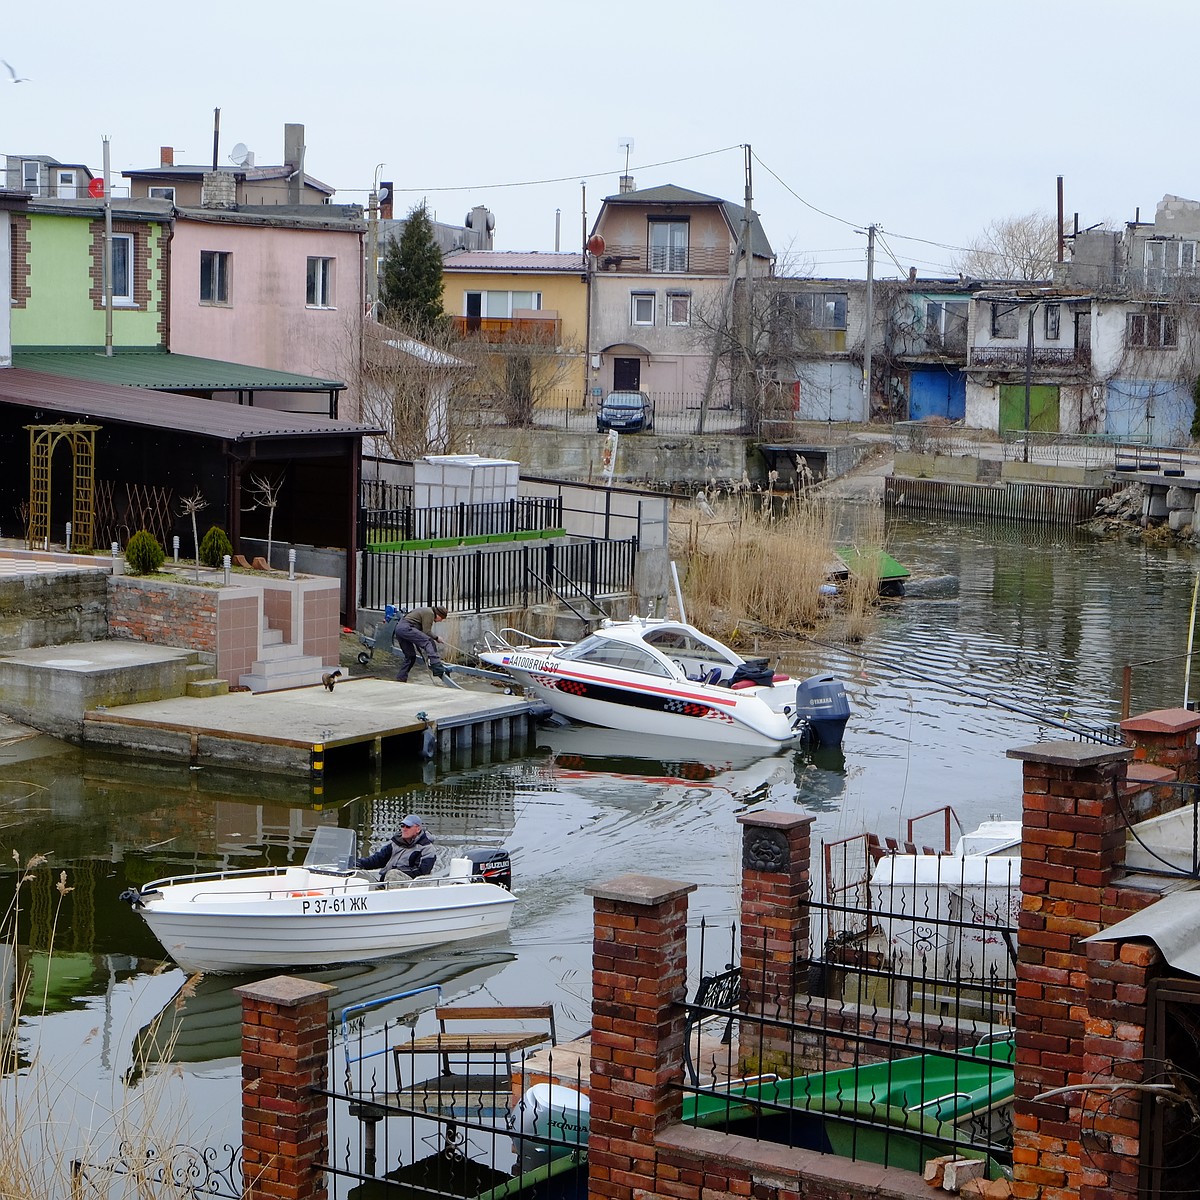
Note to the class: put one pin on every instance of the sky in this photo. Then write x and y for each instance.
(928, 121)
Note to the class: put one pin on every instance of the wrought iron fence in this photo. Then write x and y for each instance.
(178, 1171)
(410, 523)
(380, 494)
(1089, 450)
(886, 1046)
(498, 577)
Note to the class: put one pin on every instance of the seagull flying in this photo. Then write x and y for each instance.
(13, 77)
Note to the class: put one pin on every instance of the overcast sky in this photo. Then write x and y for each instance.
(928, 120)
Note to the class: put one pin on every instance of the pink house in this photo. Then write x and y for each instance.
(274, 286)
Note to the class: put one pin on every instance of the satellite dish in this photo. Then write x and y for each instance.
(240, 154)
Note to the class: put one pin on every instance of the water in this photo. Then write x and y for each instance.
(1039, 632)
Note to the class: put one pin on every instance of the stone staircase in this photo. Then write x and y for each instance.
(201, 676)
(281, 665)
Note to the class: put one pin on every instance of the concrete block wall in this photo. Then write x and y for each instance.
(50, 610)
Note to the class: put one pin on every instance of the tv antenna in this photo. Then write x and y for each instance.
(241, 155)
(626, 144)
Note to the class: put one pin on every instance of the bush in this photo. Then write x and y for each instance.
(143, 554)
(214, 545)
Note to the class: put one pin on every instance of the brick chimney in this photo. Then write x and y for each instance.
(293, 157)
(166, 156)
(626, 184)
(218, 190)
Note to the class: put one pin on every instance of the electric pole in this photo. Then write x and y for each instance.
(869, 334)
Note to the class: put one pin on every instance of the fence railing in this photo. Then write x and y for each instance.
(1087, 450)
(497, 577)
(410, 523)
(380, 494)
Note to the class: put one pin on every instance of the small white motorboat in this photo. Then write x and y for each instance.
(324, 912)
(667, 679)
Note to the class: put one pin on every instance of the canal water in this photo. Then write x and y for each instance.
(1034, 637)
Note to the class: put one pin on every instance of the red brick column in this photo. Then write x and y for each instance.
(1166, 738)
(285, 1053)
(776, 847)
(639, 980)
(1073, 845)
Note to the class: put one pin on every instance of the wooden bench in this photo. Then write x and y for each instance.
(495, 1048)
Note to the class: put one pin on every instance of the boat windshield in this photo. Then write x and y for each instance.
(673, 642)
(332, 849)
(609, 652)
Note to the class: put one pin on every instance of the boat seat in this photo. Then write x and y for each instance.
(490, 1048)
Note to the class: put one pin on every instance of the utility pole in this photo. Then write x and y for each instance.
(748, 258)
(869, 333)
(372, 251)
(108, 263)
(1028, 377)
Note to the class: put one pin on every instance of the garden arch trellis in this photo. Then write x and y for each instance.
(43, 441)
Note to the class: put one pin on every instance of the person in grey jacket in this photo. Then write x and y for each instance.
(410, 852)
(414, 631)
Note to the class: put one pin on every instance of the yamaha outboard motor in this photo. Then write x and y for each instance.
(492, 866)
(821, 700)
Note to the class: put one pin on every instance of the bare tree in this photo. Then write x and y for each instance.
(266, 494)
(1018, 247)
(518, 369)
(189, 506)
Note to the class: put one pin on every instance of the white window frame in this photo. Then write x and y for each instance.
(684, 301)
(34, 185)
(219, 278)
(122, 289)
(318, 284)
(671, 258)
(161, 193)
(66, 177)
(1152, 329)
(641, 299)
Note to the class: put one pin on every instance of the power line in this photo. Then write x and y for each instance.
(578, 175)
(792, 191)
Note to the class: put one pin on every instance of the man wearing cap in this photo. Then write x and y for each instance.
(410, 852)
(414, 631)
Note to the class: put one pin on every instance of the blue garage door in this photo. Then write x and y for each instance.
(1155, 411)
(937, 393)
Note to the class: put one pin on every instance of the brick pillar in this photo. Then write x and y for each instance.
(1166, 738)
(1073, 845)
(285, 1052)
(639, 981)
(776, 848)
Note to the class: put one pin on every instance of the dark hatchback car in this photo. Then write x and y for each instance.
(627, 412)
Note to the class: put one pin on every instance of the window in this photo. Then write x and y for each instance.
(679, 308)
(1166, 258)
(1152, 330)
(668, 246)
(499, 304)
(30, 176)
(66, 188)
(320, 283)
(122, 268)
(1004, 319)
(821, 310)
(641, 308)
(1053, 317)
(214, 277)
(162, 193)
(946, 324)
(611, 653)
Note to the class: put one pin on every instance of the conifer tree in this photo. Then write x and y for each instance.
(411, 287)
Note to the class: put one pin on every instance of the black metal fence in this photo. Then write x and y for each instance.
(498, 577)
(379, 494)
(409, 523)
(859, 1051)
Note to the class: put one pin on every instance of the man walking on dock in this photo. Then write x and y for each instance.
(414, 631)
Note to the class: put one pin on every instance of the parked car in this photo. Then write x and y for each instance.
(627, 412)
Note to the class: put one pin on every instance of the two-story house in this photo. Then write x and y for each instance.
(661, 290)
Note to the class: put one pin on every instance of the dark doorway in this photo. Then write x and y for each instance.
(627, 374)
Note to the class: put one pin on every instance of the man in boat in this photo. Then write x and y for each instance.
(410, 852)
(414, 631)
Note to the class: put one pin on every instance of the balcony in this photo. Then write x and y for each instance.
(1045, 358)
(528, 331)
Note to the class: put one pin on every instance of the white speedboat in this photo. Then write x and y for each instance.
(322, 913)
(667, 679)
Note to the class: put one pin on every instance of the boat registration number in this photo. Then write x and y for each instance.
(334, 904)
(527, 662)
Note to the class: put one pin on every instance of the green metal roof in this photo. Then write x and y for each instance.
(168, 372)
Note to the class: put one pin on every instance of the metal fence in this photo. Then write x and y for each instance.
(409, 523)
(498, 577)
(380, 494)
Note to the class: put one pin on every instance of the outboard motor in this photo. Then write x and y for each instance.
(492, 866)
(822, 702)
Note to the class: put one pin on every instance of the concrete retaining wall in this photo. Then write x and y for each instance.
(47, 610)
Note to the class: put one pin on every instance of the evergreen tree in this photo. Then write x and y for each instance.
(411, 287)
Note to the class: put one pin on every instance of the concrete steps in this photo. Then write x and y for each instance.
(200, 680)
(281, 665)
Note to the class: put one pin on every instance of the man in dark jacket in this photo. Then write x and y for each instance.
(414, 631)
(410, 852)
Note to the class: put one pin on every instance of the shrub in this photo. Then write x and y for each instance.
(214, 545)
(143, 554)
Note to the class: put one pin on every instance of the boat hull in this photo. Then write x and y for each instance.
(290, 921)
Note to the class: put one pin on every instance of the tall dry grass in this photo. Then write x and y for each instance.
(752, 561)
(47, 1122)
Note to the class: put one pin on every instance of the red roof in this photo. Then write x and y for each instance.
(540, 261)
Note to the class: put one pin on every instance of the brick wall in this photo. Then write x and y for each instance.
(164, 614)
(21, 269)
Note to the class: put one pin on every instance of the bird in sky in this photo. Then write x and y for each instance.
(13, 76)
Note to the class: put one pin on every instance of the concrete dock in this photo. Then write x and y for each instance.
(308, 730)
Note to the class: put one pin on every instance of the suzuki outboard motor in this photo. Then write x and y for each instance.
(492, 866)
(821, 700)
